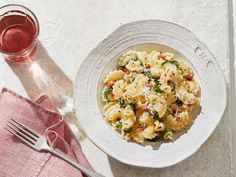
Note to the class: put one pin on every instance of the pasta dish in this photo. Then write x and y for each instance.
(150, 96)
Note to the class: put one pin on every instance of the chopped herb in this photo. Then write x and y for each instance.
(137, 59)
(148, 74)
(173, 87)
(106, 92)
(128, 130)
(174, 62)
(157, 87)
(119, 124)
(156, 80)
(179, 102)
(159, 137)
(167, 61)
(158, 90)
(155, 116)
(181, 70)
(141, 63)
(122, 103)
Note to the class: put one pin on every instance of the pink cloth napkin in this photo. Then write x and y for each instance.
(17, 159)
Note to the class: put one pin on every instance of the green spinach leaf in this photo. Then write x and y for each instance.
(174, 62)
(106, 93)
(158, 90)
(155, 116)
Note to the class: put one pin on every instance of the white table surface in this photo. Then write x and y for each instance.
(70, 29)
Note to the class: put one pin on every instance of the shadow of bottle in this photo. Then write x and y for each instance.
(41, 76)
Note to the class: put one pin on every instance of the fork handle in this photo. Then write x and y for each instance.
(85, 170)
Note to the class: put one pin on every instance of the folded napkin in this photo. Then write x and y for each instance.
(17, 159)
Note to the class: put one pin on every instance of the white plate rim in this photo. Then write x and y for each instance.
(108, 151)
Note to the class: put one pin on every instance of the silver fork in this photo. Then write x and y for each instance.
(39, 143)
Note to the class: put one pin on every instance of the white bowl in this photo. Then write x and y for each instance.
(148, 35)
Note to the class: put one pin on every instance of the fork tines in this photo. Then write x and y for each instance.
(22, 132)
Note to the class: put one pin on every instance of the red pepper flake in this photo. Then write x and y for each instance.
(189, 77)
(169, 82)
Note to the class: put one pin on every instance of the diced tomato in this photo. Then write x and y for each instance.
(169, 82)
(146, 109)
(141, 110)
(189, 77)
(163, 57)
